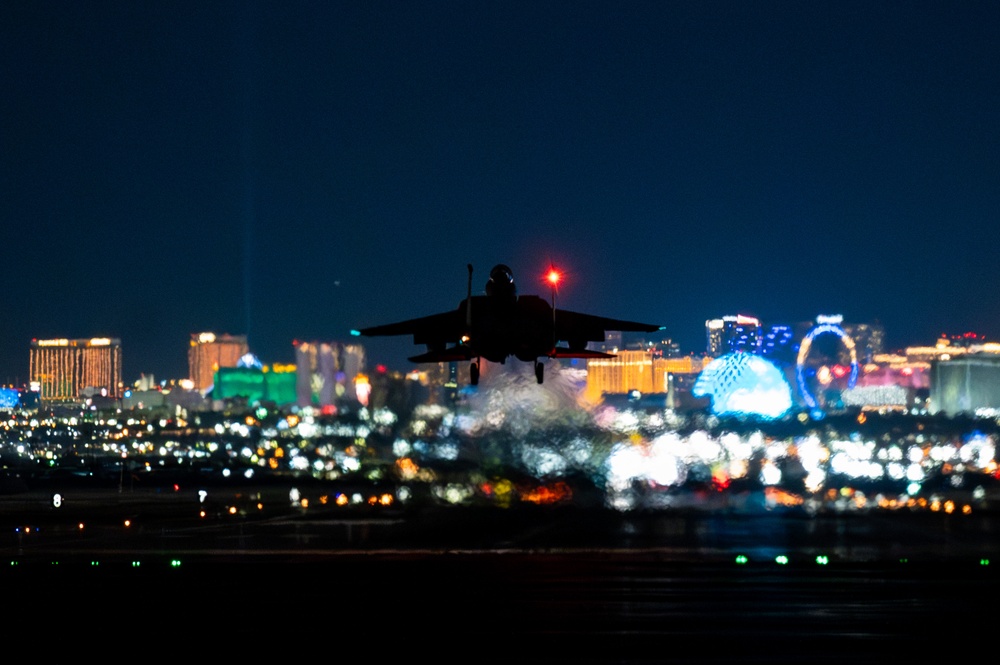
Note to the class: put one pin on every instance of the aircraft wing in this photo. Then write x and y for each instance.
(565, 352)
(435, 329)
(587, 327)
(452, 354)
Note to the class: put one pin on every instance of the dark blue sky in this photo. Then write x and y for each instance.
(294, 170)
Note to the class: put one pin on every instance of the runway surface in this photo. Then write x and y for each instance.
(526, 585)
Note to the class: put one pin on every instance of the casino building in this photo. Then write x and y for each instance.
(209, 353)
(64, 369)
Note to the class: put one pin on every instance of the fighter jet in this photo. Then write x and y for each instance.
(501, 324)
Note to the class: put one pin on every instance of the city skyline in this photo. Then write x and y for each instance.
(296, 172)
(614, 340)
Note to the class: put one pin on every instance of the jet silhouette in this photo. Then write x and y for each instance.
(501, 324)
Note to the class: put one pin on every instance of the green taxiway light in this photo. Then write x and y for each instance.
(175, 563)
(984, 562)
(741, 559)
(781, 559)
(822, 559)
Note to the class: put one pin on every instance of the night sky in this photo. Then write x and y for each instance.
(292, 170)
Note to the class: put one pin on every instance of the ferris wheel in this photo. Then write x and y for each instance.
(806, 372)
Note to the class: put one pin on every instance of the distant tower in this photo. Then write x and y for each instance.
(208, 352)
(732, 333)
(64, 368)
(869, 338)
(326, 371)
(778, 344)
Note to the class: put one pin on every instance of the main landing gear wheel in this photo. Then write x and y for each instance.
(539, 371)
(474, 374)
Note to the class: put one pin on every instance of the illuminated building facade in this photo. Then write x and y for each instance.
(968, 384)
(63, 369)
(209, 353)
(326, 371)
(731, 334)
(869, 339)
(274, 384)
(779, 344)
(642, 371)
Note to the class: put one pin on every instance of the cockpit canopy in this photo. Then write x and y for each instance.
(501, 282)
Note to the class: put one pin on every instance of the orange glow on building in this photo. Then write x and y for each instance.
(64, 368)
(635, 370)
(208, 352)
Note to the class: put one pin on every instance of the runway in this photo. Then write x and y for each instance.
(537, 585)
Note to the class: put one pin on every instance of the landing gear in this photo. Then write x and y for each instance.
(474, 373)
(539, 371)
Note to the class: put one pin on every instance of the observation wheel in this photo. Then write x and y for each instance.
(817, 372)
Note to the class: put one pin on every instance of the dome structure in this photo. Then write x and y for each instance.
(744, 384)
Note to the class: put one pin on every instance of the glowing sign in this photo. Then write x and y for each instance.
(832, 319)
(100, 341)
(206, 338)
(740, 320)
(53, 342)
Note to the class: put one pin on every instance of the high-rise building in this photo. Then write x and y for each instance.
(869, 339)
(779, 344)
(326, 371)
(208, 352)
(732, 333)
(969, 385)
(65, 369)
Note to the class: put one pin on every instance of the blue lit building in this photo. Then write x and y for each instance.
(732, 334)
(779, 344)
